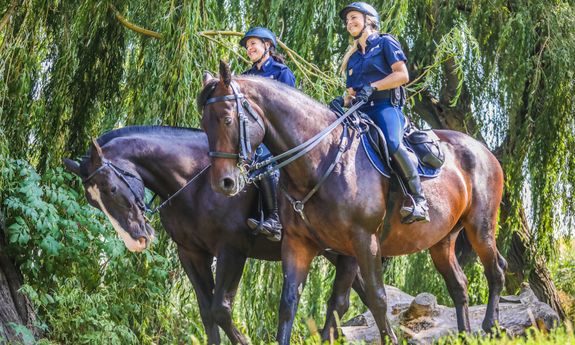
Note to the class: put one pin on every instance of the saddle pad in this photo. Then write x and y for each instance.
(379, 165)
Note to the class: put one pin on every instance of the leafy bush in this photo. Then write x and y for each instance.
(77, 273)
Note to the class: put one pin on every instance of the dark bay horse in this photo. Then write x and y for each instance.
(354, 212)
(204, 224)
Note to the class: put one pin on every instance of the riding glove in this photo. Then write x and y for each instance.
(364, 93)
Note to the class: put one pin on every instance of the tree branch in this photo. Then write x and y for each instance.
(8, 14)
(308, 69)
(132, 26)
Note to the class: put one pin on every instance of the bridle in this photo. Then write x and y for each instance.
(142, 206)
(242, 103)
(122, 174)
(253, 168)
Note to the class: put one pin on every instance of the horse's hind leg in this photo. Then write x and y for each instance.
(198, 268)
(480, 229)
(346, 272)
(229, 269)
(443, 256)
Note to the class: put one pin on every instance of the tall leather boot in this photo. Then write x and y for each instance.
(271, 226)
(418, 212)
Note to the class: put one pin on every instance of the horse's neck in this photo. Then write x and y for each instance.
(164, 165)
(291, 123)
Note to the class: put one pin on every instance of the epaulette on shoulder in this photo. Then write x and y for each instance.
(388, 35)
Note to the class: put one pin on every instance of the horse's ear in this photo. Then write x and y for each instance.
(72, 166)
(225, 73)
(206, 78)
(96, 154)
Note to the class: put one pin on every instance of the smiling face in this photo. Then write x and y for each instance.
(110, 192)
(255, 48)
(354, 22)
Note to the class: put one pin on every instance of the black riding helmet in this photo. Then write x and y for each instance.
(361, 7)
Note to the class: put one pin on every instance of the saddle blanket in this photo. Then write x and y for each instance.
(379, 165)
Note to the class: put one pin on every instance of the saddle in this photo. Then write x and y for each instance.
(423, 144)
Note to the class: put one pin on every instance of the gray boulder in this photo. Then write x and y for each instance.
(421, 320)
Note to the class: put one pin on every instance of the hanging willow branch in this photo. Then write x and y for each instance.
(307, 68)
(208, 35)
(132, 26)
(8, 14)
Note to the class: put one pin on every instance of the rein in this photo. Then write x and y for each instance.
(288, 156)
(245, 148)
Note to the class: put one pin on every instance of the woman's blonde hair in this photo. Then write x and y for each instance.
(371, 22)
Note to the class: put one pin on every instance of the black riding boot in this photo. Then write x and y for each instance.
(271, 227)
(418, 212)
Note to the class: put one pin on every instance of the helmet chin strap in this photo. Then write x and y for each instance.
(362, 29)
(263, 55)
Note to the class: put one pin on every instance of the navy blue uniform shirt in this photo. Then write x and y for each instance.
(381, 51)
(274, 70)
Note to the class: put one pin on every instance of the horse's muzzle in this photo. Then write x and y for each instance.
(230, 186)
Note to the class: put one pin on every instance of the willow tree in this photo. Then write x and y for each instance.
(497, 70)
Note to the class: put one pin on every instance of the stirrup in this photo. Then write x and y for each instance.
(409, 214)
(412, 217)
(273, 233)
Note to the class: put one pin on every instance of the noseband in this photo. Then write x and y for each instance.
(242, 103)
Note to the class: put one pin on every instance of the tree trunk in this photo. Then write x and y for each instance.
(539, 278)
(14, 307)
(439, 114)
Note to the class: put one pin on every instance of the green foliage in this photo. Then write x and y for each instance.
(69, 71)
(416, 273)
(77, 273)
(561, 335)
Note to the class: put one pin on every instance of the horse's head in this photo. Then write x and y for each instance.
(118, 191)
(233, 127)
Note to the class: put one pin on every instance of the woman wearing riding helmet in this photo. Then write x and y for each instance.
(260, 44)
(375, 67)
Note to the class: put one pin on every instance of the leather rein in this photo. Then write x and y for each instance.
(283, 159)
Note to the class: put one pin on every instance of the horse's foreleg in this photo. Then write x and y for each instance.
(229, 271)
(297, 255)
(368, 254)
(346, 272)
(443, 256)
(198, 268)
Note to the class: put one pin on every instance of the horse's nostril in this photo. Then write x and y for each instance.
(228, 183)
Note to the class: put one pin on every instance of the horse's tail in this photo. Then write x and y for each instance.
(463, 250)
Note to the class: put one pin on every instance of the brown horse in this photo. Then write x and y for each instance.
(355, 212)
(203, 224)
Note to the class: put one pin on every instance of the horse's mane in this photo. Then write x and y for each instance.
(137, 130)
(205, 93)
(283, 88)
(152, 130)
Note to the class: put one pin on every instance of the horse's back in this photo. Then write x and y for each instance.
(476, 164)
(471, 155)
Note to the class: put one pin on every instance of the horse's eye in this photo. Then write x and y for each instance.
(227, 120)
(113, 189)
